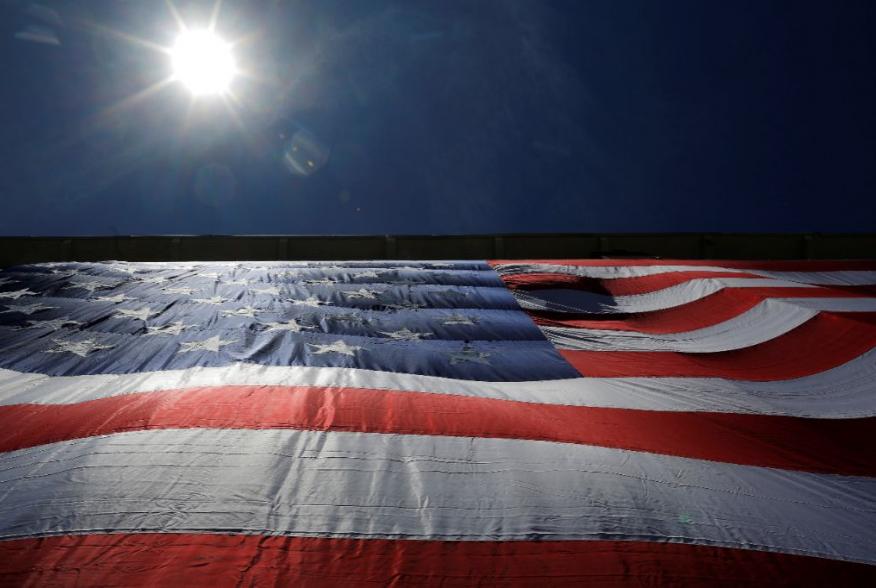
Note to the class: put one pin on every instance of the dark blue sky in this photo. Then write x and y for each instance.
(444, 117)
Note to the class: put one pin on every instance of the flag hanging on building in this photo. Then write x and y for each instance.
(569, 422)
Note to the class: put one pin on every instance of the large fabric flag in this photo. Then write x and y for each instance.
(555, 422)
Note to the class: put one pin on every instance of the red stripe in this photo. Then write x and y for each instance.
(818, 445)
(705, 312)
(253, 560)
(821, 343)
(807, 265)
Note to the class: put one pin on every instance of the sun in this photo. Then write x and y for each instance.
(203, 62)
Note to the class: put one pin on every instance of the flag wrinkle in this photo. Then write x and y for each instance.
(438, 421)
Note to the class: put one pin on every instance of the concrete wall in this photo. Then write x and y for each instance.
(14, 250)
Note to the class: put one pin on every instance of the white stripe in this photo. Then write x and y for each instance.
(752, 327)
(835, 304)
(767, 320)
(824, 278)
(445, 488)
(844, 278)
(603, 272)
(845, 391)
(567, 300)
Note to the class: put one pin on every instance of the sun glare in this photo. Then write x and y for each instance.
(203, 63)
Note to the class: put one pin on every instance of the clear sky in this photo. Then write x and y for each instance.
(447, 116)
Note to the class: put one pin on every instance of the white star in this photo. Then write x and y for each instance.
(362, 293)
(405, 335)
(142, 313)
(469, 355)
(309, 301)
(245, 311)
(169, 329)
(213, 300)
(354, 318)
(458, 319)
(273, 290)
(16, 294)
(80, 348)
(53, 323)
(406, 305)
(64, 273)
(336, 347)
(116, 299)
(27, 308)
(290, 325)
(212, 344)
(90, 286)
(178, 290)
(124, 269)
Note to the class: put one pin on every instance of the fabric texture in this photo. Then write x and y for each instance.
(438, 423)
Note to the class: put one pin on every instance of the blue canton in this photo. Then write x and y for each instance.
(450, 319)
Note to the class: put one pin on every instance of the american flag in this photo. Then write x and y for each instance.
(554, 422)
